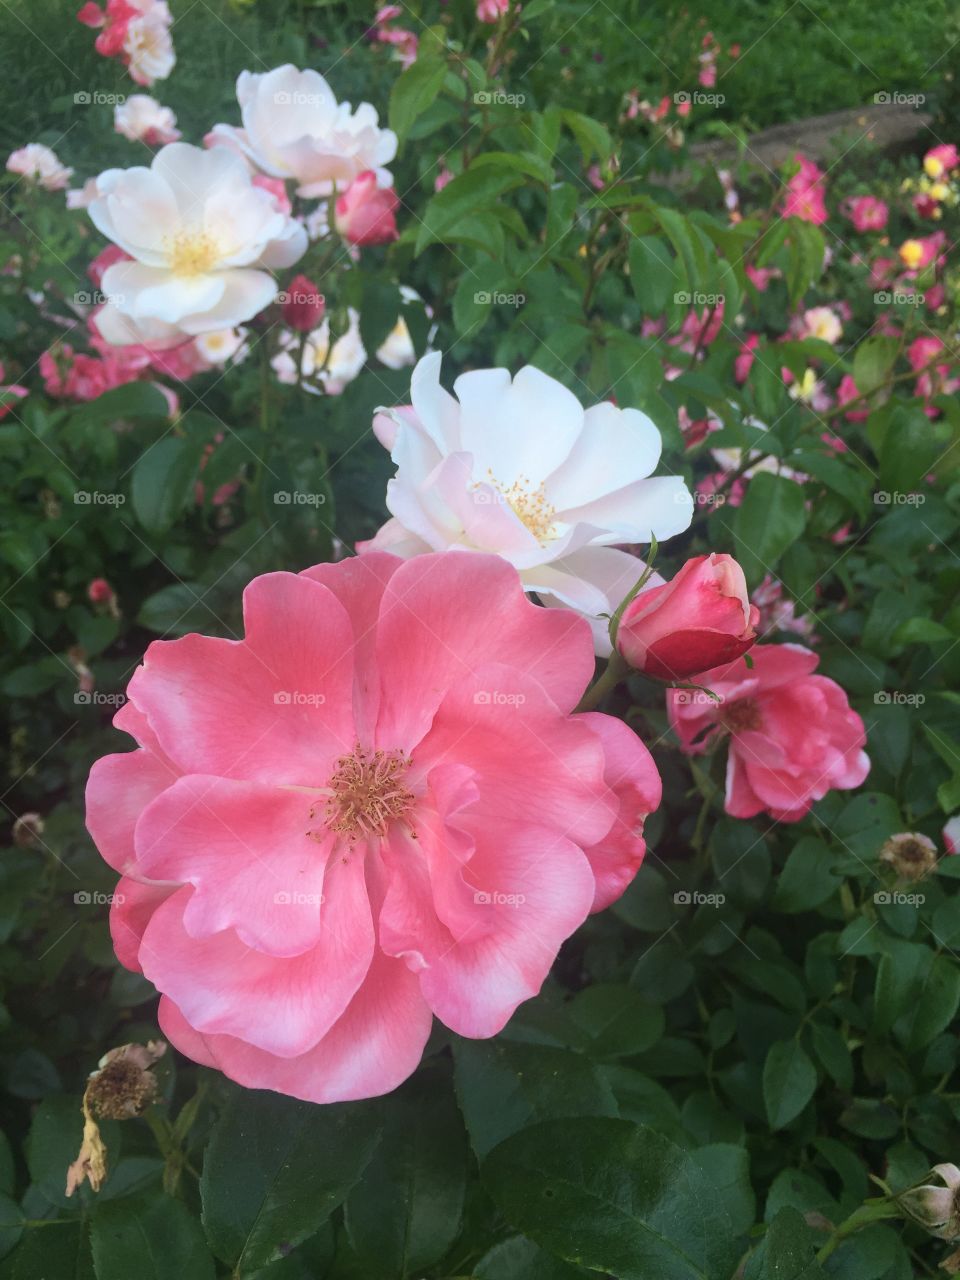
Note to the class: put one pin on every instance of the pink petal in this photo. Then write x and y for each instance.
(133, 905)
(428, 642)
(284, 1006)
(245, 849)
(371, 1049)
(275, 707)
(118, 788)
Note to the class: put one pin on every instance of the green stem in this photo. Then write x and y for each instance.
(869, 1212)
(611, 676)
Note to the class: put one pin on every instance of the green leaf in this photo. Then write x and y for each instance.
(133, 400)
(788, 1249)
(404, 1213)
(789, 1079)
(873, 361)
(150, 1237)
(58, 1253)
(414, 92)
(275, 1169)
(617, 1019)
(726, 1168)
(504, 1087)
(520, 1259)
(467, 194)
(164, 480)
(653, 274)
(807, 879)
(613, 1197)
(768, 521)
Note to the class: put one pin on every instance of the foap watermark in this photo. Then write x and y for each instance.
(895, 698)
(298, 98)
(94, 498)
(296, 498)
(697, 98)
(696, 698)
(698, 299)
(894, 98)
(701, 499)
(94, 98)
(694, 898)
(497, 698)
(295, 898)
(497, 98)
(887, 298)
(497, 299)
(97, 699)
(96, 298)
(301, 298)
(297, 698)
(95, 898)
(894, 498)
(894, 898)
(493, 898)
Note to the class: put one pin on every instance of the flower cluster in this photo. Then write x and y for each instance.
(135, 31)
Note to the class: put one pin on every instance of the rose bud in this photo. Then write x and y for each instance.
(935, 1204)
(702, 618)
(100, 591)
(303, 305)
(364, 214)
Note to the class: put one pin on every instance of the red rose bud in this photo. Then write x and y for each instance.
(99, 591)
(701, 619)
(364, 214)
(303, 305)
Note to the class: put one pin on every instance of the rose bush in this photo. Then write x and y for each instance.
(544, 784)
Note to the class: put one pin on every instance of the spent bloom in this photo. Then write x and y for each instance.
(911, 854)
(202, 240)
(376, 807)
(293, 127)
(793, 736)
(518, 467)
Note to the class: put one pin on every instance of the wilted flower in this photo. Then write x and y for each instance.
(27, 830)
(911, 855)
(935, 1204)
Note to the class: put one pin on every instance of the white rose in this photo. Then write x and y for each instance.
(199, 233)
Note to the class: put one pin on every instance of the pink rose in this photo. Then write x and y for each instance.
(847, 391)
(375, 808)
(491, 10)
(9, 394)
(867, 213)
(364, 214)
(745, 357)
(700, 618)
(303, 305)
(805, 193)
(793, 736)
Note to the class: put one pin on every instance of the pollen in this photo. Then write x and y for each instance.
(741, 716)
(530, 505)
(193, 253)
(365, 794)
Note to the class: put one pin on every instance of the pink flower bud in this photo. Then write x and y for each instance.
(364, 214)
(700, 619)
(100, 591)
(303, 305)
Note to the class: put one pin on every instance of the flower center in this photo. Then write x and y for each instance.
(530, 505)
(193, 253)
(366, 794)
(740, 716)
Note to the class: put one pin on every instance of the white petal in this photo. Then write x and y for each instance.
(661, 506)
(615, 447)
(245, 293)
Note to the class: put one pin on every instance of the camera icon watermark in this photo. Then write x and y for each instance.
(497, 98)
(698, 299)
(94, 498)
(895, 98)
(894, 498)
(888, 299)
(94, 98)
(296, 498)
(493, 898)
(96, 699)
(496, 698)
(697, 98)
(694, 898)
(895, 698)
(297, 698)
